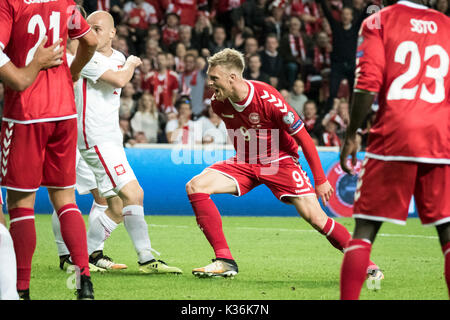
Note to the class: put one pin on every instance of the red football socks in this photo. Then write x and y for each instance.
(23, 233)
(339, 237)
(210, 222)
(446, 251)
(73, 231)
(354, 268)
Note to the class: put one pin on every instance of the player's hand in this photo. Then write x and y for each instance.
(51, 56)
(134, 61)
(324, 191)
(349, 147)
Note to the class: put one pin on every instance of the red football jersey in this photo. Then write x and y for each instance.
(261, 126)
(23, 25)
(162, 87)
(403, 54)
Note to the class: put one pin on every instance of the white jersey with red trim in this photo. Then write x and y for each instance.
(98, 102)
(403, 54)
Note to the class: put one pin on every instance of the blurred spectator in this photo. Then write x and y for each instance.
(125, 127)
(318, 78)
(127, 103)
(218, 41)
(121, 44)
(187, 10)
(186, 37)
(123, 32)
(180, 53)
(297, 98)
(202, 31)
(295, 48)
(146, 119)
(254, 15)
(171, 64)
(192, 82)
(251, 47)
(210, 128)
(285, 94)
(339, 114)
(309, 13)
(162, 84)
(442, 6)
(253, 70)
(239, 34)
(273, 23)
(154, 33)
(114, 7)
(311, 119)
(344, 38)
(181, 129)
(329, 136)
(271, 60)
(139, 15)
(171, 29)
(152, 49)
(228, 13)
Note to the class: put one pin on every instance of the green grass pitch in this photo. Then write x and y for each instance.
(278, 258)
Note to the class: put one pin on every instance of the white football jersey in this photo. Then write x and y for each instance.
(4, 59)
(98, 102)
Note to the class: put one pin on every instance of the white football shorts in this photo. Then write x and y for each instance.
(110, 166)
(85, 177)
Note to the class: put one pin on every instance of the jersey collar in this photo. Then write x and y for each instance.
(412, 4)
(241, 107)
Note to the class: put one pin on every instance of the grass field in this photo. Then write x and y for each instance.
(278, 258)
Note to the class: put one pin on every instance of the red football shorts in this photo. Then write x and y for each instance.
(385, 188)
(38, 154)
(285, 178)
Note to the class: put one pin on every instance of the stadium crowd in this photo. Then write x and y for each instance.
(305, 49)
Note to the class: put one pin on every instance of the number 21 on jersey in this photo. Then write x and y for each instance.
(36, 22)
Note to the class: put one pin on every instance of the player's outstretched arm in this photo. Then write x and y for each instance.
(361, 103)
(21, 78)
(323, 188)
(86, 49)
(119, 78)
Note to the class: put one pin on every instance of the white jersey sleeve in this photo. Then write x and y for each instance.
(95, 68)
(4, 59)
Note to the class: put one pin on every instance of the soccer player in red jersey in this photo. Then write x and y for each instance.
(19, 79)
(39, 130)
(266, 133)
(403, 55)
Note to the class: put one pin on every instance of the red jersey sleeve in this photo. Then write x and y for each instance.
(6, 23)
(77, 25)
(370, 55)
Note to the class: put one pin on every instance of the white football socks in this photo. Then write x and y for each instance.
(8, 271)
(97, 210)
(137, 228)
(99, 230)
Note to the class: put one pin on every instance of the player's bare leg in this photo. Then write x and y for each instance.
(356, 257)
(444, 239)
(73, 231)
(309, 209)
(132, 197)
(208, 219)
(8, 271)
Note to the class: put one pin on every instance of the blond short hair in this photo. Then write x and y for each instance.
(229, 59)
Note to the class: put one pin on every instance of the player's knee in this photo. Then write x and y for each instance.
(132, 195)
(195, 185)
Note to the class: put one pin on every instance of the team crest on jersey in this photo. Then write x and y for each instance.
(289, 118)
(341, 202)
(254, 118)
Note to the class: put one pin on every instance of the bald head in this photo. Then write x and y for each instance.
(102, 23)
